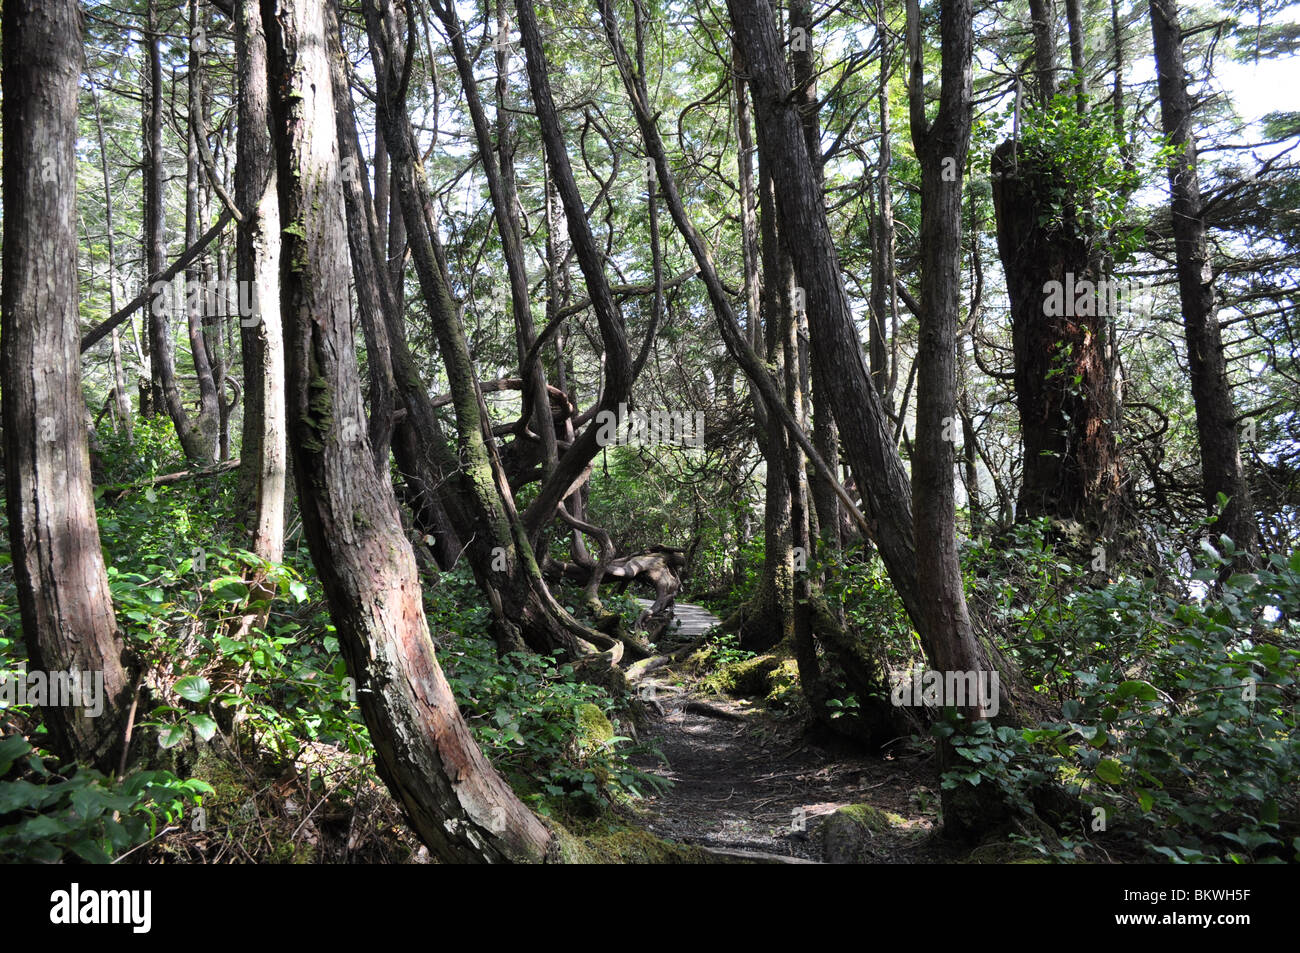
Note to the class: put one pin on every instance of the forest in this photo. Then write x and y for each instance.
(649, 432)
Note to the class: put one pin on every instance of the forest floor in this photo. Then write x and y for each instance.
(747, 779)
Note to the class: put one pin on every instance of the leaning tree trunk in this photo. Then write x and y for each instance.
(522, 604)
(63, 595)
(1216, 420)
(836, 350)
(458, 804)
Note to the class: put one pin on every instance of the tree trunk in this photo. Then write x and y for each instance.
(941, 145)
(458, 804)
(207, 424)
(1063, 383)
(1078, 53)
(263, 455)
(67, 610)
(120, 398)
(613, 336)
(1042, 20)
(498, 168)
(522, 605)
(1216, 420)
(837, 353)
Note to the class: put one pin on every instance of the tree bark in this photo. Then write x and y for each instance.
(1042, 19)
(941, 146)
(63, 595)
(836, 351)
(1216, 420)
(1063, 384)
(458, 804)
(264, 467)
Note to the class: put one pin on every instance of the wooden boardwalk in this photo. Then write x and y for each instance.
(690, 621)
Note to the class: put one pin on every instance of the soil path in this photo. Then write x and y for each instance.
(744, 779)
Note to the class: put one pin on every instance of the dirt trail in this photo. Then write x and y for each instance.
(745, 780)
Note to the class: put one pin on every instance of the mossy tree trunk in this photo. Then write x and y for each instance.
(458, 804)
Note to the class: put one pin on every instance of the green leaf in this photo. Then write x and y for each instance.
(231, 589)
(172, 735)
(1142, 690)
(1110, 771)
(12, 747)
(204, 726)
(90, 852)
(193, 688)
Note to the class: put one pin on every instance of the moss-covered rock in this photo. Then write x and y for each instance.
(594, 729)
(748, 678)
(851, 835)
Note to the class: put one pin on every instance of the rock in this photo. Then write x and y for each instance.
(849, 835)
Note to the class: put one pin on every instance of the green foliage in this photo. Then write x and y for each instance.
(1181, 735)
(532, 720)
(1085, 172)
(861, 588)
(46, 817)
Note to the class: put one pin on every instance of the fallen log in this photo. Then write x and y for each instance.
(166, 479)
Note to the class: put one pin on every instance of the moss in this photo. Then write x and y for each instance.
(613, 843)
(1003, 852)
(291, 852)
(594, 730)
(773, 677)
(850, 835)
(871, 818)
(230, 787)
(783, 682)
(748, 677)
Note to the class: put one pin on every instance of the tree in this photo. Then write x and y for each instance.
(67, 610)
(459, 805)
(523, 607)
(1216, 420)
(263, 462)
(836, 350)
(1063, 382)
(941, 145)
